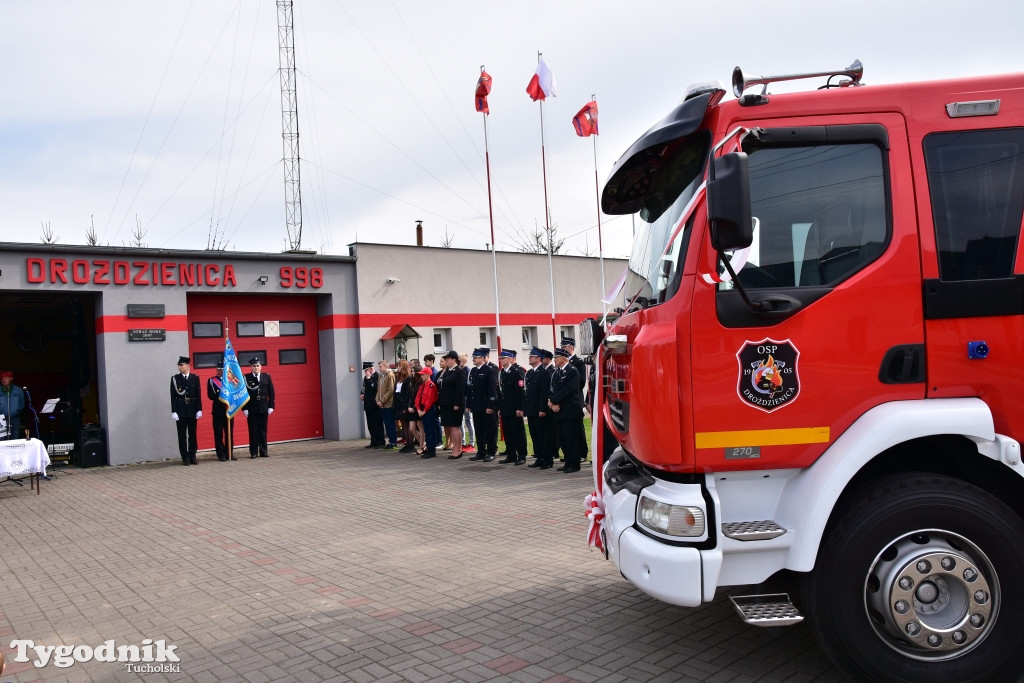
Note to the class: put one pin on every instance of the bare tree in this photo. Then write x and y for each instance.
(586, 247)
(91, 238)
(447, 240)
(48, 236)
(540, 241)
(138, 233)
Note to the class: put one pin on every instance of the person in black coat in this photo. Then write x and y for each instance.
(512, 407)
(483, 403)
(186, 409)
(451, 399)
(368, 395)
(569, 345)
(259, 408)
(538, 386)
(219, 408)
(567, 405)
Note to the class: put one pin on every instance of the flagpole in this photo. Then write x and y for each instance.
(547, 214)
(490, 213)
(600, 244)
(231, 451)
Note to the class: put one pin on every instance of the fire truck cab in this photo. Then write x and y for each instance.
(818, 366)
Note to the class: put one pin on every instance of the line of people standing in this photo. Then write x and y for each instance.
(187, 409)
(548, 397)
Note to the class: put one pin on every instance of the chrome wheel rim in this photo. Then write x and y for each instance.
(932, 595)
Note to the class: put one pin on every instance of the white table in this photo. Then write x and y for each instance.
(22, 457)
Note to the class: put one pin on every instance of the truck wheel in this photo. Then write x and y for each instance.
(918, 579)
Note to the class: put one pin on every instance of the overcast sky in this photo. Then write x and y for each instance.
(169, 113)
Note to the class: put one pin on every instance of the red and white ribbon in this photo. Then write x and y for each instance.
(593, 509)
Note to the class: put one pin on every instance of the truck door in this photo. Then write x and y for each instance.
(835, 268)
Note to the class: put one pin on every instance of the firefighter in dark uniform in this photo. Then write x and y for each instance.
(368, 395)
(482, 402)
(567, 405)
(259, 408)
(512, 407)
(551, 442)
(186, 409)
(538, 386)
(214, 385)
(569, 344)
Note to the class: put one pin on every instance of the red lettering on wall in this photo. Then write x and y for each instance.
(35, 270)
(229, 275)
(211, 274)
(58, 270)
(141, 268)
(286, 276)
(156, 274)
(122, 273)
(102, 273)
(167, 273)
(80, 272)
(187, 274)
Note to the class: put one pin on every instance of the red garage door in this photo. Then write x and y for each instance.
(282, 332)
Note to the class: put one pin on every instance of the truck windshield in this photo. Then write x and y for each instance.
(653, 263)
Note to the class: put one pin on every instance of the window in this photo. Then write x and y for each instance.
(291, 357)
(207, 360)
(442, 339)
(820, 214)
(487, 337)
(249, 329)
(293, 329)
(529, 337)
(245, 357)
(200, 330)
(976, 180)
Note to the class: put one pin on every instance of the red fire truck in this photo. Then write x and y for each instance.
(818, 367)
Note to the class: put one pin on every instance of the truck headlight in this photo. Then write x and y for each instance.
(671, 520)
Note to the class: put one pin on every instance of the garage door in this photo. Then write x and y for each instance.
(282, 332)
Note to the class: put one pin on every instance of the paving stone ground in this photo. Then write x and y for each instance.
(329, 562)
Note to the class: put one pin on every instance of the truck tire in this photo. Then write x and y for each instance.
(919, 579)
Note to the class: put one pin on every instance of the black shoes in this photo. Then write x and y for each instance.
(370, 445)
(429, 454)
(407, 449)
(488, 458)
(508, 460)
(478, 456)
(521, 460)
(389, 447)
(252, 456)
(535, 463)
(544, 467)
(455, 457)
(569, 469)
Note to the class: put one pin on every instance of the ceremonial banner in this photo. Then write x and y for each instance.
(234, 393)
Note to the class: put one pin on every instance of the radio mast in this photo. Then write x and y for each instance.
(289, 125)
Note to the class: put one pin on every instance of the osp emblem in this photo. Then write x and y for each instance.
(768, 376)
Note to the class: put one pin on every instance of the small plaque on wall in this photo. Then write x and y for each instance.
(147, 335)
(145, 310)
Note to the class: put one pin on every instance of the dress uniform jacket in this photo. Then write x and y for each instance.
(261, 393)
(565, 393)
(451, 388)
(581, 371)
(538, 386)
(186, 400)
(512, 385)
(483, 388)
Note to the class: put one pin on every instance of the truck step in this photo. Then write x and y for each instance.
(760, 530)
(767, 610)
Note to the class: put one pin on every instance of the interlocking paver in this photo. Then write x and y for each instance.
(331, 562)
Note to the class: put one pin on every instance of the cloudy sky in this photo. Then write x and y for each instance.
(164, 118)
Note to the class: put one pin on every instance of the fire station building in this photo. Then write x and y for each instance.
(99, 329)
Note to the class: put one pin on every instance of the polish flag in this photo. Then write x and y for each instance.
(542, 85)
(483, 89)
(585, 122)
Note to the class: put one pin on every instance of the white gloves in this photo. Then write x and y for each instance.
(199, 414)
(270, 411)
(246, 413)
(175, 416)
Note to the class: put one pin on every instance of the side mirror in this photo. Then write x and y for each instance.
(729, 203)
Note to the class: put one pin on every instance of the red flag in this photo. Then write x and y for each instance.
(542, 85)
(483, 89)
(585, 121)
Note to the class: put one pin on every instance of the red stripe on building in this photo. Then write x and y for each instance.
(107, 324)
(364, 320)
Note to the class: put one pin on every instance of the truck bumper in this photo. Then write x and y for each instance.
(664, 569)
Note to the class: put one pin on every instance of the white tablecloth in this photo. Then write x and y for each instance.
(21, 457)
